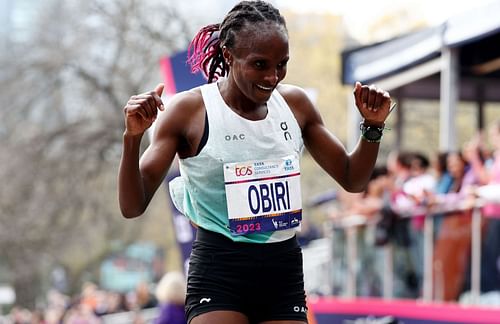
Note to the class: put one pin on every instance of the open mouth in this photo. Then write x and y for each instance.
(264, 88)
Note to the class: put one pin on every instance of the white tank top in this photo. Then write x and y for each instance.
(200, 191)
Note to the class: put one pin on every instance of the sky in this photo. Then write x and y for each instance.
(360, 13)
(434, 11)
(357, 15)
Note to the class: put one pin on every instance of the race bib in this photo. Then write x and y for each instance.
(263, 196)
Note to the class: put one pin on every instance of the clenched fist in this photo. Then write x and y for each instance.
(373, 103)
(141, 110)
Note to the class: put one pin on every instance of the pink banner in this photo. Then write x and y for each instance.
(335, 310)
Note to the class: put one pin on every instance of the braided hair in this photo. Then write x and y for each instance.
(205, 50)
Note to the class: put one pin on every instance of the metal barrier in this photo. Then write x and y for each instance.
(317, 260)
(352, 223)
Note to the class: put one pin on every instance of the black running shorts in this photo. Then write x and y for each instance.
(263, 281)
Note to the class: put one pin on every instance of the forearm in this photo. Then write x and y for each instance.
(351, 170)
(131, 193)
(360, 164)
(479, 170)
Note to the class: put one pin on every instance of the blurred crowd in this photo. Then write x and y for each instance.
(93, 304)
(446, 187)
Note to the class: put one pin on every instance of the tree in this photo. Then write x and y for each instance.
(61, 128)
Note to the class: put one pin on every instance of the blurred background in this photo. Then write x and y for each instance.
(67, 69)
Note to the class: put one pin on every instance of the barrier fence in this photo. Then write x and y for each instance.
(321, 268)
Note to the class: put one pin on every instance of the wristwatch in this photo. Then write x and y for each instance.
(372, 134)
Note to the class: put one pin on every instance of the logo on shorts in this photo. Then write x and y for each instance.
(205, 300)
(300, 309)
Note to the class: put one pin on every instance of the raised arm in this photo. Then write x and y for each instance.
(351, 170)
(471, 152)
(138, 180)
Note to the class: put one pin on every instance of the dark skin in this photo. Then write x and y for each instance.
(257, 66)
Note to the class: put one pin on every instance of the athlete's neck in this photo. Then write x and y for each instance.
(239, 103)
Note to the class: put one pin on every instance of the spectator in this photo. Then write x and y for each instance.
(488, 172)
(171, 293)
(89, 295)
(451, 256)
(443, 177)
(372, 198)
(81, 313)
(420, 185)
(443, 183)
(397, 206)
(144, 298)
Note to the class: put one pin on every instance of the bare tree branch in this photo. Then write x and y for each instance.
(60, 130)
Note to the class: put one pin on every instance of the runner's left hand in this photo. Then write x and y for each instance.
(373, 103)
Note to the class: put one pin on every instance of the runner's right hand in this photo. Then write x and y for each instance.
(141, 110)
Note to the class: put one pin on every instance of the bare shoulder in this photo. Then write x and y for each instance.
(181, 109)
(182, 121)
(186, 101)
(292, 93)
(299, 102)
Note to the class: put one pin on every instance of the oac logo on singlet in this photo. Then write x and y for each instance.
(234, 137)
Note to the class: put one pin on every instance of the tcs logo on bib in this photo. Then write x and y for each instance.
(242, 171)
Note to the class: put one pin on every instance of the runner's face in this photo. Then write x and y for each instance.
(259, 60)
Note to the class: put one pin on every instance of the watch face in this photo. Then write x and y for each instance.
(372, 134)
